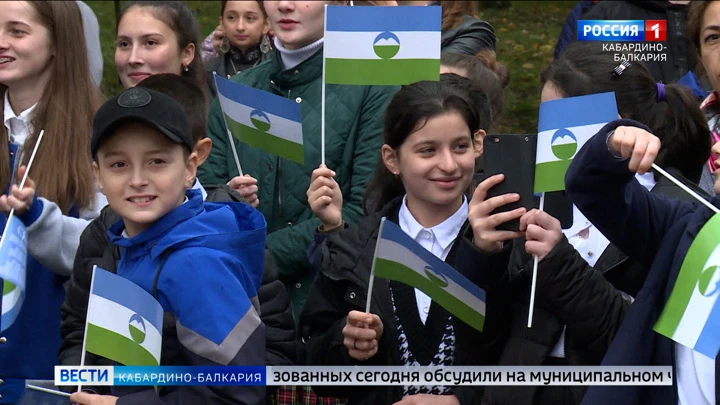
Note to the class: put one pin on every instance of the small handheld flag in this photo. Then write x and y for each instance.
(124, 322)
(13, 258)
(382, 45)
(691, 315)
(13, 262)
(398, 257)
(564, 126)
(262, 120)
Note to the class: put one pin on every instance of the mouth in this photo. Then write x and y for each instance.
(241, 37)
(287, 24)
(446, 181)
(139, 75)
(142, 200)
(6, 59)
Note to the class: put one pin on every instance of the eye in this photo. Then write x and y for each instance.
(462, 146)
(17, 32)
(712, 37)
(151, 42)
(118, 165)
(122, 44)
(157, 161)
(427, 151)
(251, 18)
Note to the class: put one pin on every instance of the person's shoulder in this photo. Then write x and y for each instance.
(257, 76)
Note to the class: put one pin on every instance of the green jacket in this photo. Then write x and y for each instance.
(353, 137)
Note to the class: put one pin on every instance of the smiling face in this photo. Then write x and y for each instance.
(296, 23)
(435, 163)
(146, 46)
(244, 23)
(25, 48)
(143, 174)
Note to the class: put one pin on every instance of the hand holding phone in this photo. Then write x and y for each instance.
(486, 235)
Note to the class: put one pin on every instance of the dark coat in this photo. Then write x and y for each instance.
(341, 286)
(656, 232)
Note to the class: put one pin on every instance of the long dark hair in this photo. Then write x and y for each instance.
(178, 16)
(480, 75)
(408, 111)
(62, 170)
(583, 68)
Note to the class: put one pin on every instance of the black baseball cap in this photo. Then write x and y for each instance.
(151, 107)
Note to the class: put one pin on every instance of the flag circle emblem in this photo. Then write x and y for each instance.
(137, 328)
(436, 278)
(707, 282)
(260, 120)
(386, 45)
(563, 144)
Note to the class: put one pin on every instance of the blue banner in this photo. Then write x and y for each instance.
(13, 263)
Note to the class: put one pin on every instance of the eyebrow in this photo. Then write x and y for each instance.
(713, 27)
(115, 153)
(18, 23)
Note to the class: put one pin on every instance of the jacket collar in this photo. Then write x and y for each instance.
(445, 233)
(302, 74)
(145, 240)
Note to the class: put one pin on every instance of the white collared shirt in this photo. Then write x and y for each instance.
(437, 240)
(18, 126)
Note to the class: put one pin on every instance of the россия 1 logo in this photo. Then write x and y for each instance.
(622, 30)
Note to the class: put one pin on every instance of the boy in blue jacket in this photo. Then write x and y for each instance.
(657, 232)
(202, 261)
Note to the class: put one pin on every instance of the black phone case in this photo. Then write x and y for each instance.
(514, 156)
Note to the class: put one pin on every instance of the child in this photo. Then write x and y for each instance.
(655, 231)
(144, 163)
(432, 131)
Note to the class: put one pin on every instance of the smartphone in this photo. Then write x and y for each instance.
(514, 156)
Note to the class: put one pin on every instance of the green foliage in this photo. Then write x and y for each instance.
(526, 31)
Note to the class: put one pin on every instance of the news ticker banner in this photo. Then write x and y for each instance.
(360, 375)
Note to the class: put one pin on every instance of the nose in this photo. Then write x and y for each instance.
(285, 6)
(447, 162)
(4, 43)
(135, 56)
(240, 25)
(138, 179)
(716, 148)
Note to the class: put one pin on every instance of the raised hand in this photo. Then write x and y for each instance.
(20, 200)
(636, 144)
(542, 232)
(485, 236)
(325, 198)
(246, 186)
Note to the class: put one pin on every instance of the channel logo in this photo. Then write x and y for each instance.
(622, 30)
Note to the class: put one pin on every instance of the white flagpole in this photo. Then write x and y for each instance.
(322, 105)
(534, 276)
(27, 170)
(372, 268)
(684, 187)
(82, 353)
(227, 128)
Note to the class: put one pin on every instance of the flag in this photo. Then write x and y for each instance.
(563, 128)
(398, 257)
(261, 119)
(382, 45)
(691, 315)
(124, 322)
(13, 263)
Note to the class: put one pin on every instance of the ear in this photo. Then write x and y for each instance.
(188, 54)
(391, 159)
(478, 139)
(202, 148)
(98, 178)
(191, 170)
(266, 26)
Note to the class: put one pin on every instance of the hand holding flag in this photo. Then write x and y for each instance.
(542, 232)
(362, 333)
(19, 199)
(246, 186)
(636, 144)
(325, 198)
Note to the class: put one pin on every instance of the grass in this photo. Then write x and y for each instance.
(526, 32)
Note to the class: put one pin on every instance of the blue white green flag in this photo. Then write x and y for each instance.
(382, 45)
(13, 263)
(691, 315)
(398, 257)
(124, 322)
(563, 128)
(262, 120)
